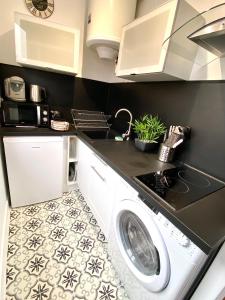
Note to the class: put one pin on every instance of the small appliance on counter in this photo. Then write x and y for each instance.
(15, 88)
(37, 93)
(175, 137)
(24, 114)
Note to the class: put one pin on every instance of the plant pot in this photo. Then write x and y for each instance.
(145, 146)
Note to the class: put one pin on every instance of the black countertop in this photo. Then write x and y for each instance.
(203, 221)
(33, 131)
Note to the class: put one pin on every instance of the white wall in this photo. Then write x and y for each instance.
(4, 209)
(204, 5)
(96, 68)
(145, 6)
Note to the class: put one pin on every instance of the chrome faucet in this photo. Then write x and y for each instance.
(126, 135)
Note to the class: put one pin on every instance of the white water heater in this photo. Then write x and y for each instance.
(105, 21)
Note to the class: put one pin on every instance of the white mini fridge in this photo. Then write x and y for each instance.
(35, 169)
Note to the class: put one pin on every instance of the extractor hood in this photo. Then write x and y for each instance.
(211, 37)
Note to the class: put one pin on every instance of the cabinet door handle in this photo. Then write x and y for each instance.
(99, 175)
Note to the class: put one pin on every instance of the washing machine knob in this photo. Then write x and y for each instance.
(184, 241)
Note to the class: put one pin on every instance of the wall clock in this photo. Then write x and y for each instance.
(40, 8)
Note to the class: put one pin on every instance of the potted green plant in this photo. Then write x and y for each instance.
(149, 129)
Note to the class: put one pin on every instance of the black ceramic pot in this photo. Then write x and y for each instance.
(145, 146)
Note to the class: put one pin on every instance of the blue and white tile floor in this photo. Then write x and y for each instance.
(57, 251)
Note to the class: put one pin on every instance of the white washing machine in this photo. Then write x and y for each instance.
(153, 258)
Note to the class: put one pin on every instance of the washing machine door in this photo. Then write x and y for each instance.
(141, 245)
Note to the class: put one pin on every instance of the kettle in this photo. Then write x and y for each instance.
(37, 93)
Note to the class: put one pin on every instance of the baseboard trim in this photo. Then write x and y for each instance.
(3, 250)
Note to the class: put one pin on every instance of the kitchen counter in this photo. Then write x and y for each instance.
(33, 131)
(203, 221)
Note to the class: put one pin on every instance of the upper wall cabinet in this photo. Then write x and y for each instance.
(148, 49)
(45, 45)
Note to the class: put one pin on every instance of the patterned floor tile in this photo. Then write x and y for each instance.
(57, 251)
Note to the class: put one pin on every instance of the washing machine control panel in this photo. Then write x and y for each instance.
(184, 241)
(188, 246)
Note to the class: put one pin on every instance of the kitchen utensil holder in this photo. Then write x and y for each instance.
(166, 153)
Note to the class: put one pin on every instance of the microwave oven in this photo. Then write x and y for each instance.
(25, 114)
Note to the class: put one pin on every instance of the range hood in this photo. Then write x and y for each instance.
(211, 37)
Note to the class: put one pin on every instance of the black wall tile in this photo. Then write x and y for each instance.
(63, 91)
(200, 105)
(90, 94)
(59, 87)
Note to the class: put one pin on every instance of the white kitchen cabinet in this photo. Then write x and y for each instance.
(102, 192)
(148, 54)
(34, 168)
(97, 182)
(46, 45)
(98, 193)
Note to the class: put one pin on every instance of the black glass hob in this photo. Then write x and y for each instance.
(180, 186)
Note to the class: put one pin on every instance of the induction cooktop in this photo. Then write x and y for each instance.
(180, 186)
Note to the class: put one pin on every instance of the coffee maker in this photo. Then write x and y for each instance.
(15, 88)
